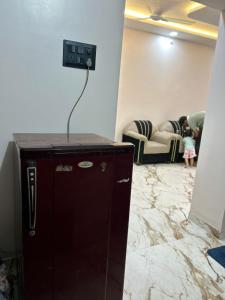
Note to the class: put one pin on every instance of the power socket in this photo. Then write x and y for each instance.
(79, 55)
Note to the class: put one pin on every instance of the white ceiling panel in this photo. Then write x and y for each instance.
(207, 15)
(217, 4)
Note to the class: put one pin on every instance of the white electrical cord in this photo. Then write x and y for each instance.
(89, 64)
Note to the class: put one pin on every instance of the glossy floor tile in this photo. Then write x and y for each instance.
(166, 256)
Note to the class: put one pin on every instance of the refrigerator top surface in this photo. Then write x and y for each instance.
(58, 140)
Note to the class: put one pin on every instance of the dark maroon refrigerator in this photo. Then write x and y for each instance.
(75, 211)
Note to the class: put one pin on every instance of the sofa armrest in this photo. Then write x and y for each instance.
(176, 136)
(138, 147)
(136, 135)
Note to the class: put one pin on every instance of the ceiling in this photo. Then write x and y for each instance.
(204, 28)
(206, 15)
(217, 4)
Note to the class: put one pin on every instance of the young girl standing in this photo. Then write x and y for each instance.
(189, 148)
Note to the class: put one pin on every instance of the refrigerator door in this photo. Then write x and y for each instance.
(75, 218)
(82, 206)
(37, 202)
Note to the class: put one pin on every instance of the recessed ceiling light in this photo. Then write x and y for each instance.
(165, 42)
(173, 33)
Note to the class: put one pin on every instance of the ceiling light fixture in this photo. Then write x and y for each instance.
(173, 33)
(166, 43)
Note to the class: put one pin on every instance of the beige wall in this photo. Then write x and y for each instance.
(208, 201)
(160, 81)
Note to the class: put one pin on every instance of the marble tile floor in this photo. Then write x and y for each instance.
(166, 255)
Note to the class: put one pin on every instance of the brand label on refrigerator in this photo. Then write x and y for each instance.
(85, 164)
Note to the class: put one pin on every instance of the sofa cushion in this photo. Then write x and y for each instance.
(152, 147)
(164, 137)
(177, 128)
(166, 126)
(142, 128)
(171, 126)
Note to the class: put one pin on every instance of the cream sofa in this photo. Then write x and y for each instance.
(151, 144)
(173, 127)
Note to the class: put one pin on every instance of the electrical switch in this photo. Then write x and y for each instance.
(79, 55)
(80, 50)
(79, 60)
(73, 49)
(89, 51)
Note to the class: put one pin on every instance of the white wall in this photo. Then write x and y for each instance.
(37, 93)
(209, 194)
(160, 81)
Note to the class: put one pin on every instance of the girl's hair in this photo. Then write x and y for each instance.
(188, 132)
(182, 120)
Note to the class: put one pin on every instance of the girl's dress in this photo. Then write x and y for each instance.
(189, 147)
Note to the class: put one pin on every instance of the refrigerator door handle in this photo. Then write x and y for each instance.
(124, 180)
(32, 198)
